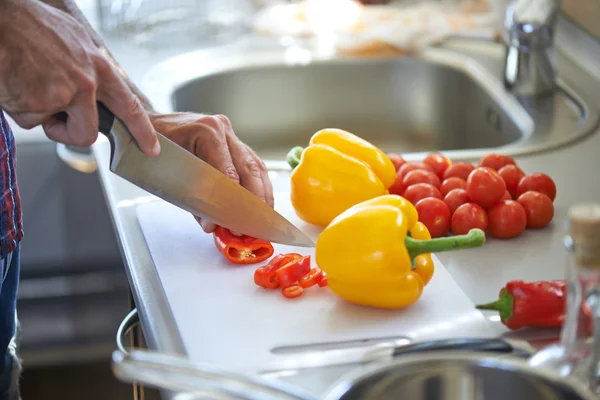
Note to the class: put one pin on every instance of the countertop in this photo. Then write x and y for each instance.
(480, 272)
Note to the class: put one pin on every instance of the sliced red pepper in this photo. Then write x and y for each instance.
(266, 277)
(241, 249)
(312, 278)
(323, 282)
(292, 291)
(293, 271)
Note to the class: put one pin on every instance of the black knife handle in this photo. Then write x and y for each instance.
(105, 118)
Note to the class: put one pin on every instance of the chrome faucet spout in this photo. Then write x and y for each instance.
(529, 65)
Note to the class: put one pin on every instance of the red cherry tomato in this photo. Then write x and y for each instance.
(460, 170)
(538, 207)
(507, 219)
(452, 183)
(421, 191)
(438, 162)
(421, 176)
(539, 182)
(456, 198)
(467, 217)
(411, 166)
(397, 187)
(397, 160)
(293, 291)
(496, 161)
(506, 196)
(512, 176)
(485, 187)
(435, 215)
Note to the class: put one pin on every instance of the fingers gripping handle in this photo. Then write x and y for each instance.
(106, 118)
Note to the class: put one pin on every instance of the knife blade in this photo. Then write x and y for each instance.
(184, 180)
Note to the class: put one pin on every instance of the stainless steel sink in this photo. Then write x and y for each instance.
(450, 98)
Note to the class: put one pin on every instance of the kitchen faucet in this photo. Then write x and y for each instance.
(529, 65)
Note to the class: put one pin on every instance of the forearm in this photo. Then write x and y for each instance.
(71, 8)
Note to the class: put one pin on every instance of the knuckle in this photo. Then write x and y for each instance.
(223, 120)
(252, 166)
(102, 65)
(87, 84)
(231, 173)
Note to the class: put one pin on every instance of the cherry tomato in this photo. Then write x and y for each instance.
(452, 183)
(506, 196)
(411, 166)
(467, 217)
(512, 176)
(438, 162)
(421, 191)
(485, 187)
(421, 176)
(312, 278)
(539, 182)
(435, 215)
(397, 160)
(397, 187)
(496, 161)
(460, 170)
(293, 291)
(507, 219)
(538, 207)
(456, 198)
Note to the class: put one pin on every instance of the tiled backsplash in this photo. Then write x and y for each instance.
(585, 13)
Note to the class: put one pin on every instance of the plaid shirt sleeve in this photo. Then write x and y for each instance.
(11, 221)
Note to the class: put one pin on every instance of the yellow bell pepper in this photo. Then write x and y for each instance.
(336, 171)
(369, 256)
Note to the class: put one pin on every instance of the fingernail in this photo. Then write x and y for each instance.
(156, 148)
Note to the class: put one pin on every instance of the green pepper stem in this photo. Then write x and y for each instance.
(475, 238)
(504, 305)
(293, 156)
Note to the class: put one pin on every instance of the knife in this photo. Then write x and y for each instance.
(184, 180)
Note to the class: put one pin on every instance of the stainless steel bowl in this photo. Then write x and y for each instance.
(457, 376)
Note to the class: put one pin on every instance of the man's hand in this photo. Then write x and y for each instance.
(48, 64)
(212, 139)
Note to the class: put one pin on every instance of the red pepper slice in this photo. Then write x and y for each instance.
(312, 278)
(293, 271)
(266, 277)
(241, 249)
(323, 282)
(293, 291)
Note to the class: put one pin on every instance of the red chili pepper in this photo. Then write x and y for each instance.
(266, 276)
(241, 249)
(540, 304)
(293, 271)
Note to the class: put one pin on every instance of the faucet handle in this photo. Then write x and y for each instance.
(530, 23)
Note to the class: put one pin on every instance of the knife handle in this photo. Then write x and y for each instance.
(105, 118)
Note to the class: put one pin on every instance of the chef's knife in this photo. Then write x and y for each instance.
(182, 179)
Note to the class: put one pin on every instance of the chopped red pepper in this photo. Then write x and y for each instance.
(312, 278)
(241, 249)
(293, 271)
(266, 276)
(323, 282)
(539, 304)
(293, 291)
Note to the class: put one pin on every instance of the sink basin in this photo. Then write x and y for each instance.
(441, 100)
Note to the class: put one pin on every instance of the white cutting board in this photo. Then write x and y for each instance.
(225, 319)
